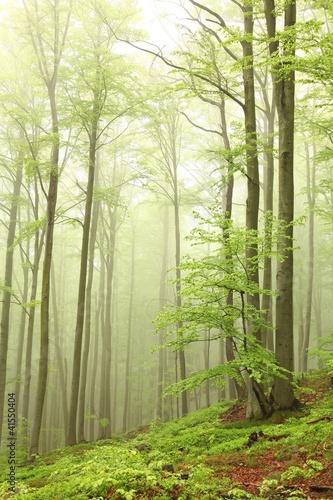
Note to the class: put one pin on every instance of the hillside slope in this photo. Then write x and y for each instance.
(210, 454)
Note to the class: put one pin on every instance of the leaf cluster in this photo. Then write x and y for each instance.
(215, 291)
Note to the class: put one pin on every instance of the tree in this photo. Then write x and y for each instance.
(284, 83)
(205, 287)
(7, 289)
(48, 53)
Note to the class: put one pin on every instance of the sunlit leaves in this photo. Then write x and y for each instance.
(207, 282)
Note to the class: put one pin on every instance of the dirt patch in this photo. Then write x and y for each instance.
(236, 413)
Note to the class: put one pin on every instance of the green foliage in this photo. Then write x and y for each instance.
(206, 285)
(29, 230)
(198, 444)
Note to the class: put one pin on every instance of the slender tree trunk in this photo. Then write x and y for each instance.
(72, 424)
(108, 319)
(162, 303)
(93, 378)
(38, 248)
(267, 302)
(84, 367)
(44, 330)
(127, 394)
(182, 361)
(311, 185)
(6, 298)
(23, 322)
(317, 302)
(102, 305)
(207, 364)
(58, 352)
(50, 76)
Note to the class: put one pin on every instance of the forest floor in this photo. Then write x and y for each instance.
(210, 454)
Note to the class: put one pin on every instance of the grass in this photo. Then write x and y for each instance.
(201, 456)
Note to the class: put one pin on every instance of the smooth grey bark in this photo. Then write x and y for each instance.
(102, 305)
(58, 352)
(93, 378)
(71, 438)
(282, 393)
(48, 68)
(311, 185)
(39, 238)
(88, 312)
(267, 302)
(23, 322)
(6, 297)
(162, 302)
(127, 393)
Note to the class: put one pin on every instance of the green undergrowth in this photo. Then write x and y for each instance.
(195, 457)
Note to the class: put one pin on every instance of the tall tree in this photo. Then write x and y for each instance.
(7, 292)
(284, 82)
(48, 46)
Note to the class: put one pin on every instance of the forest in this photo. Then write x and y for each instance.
(166, 212)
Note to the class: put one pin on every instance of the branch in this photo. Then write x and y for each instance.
(210, 11)
(173, 65)
(199, 127)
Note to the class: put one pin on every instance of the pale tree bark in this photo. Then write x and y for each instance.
(317, 308)
(166, 135)
(102, 305)
(39, 237)
(252, 170)
(108, 334)
(93, 377)
(88, 313)
(71, 438)
(267, 302)
(109, 237)
(162, 302)
(282, 392)
(182, 361)
(49, 74)
(311, 185)
(23, 322)
(257, 401)
(6, 298)
(127, 394)
(58, 352)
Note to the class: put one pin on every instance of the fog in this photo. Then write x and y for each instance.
(117, 162)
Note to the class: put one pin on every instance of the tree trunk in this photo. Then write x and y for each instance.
(45, 297)
(311, 185)
(162, 303)
(85, 356)
(257, 402)
(127, 405)
(23, 321)
(44, 333)
(102, 305)
(282, 392)
(38, 248)
(182, 361)
(72, 424)
(6, 299)
(59, 354)
(267, 302)
(50, 76)
(93, 377)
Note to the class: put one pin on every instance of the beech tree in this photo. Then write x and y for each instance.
(48, 53)
(284, 84)
(7, 289)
